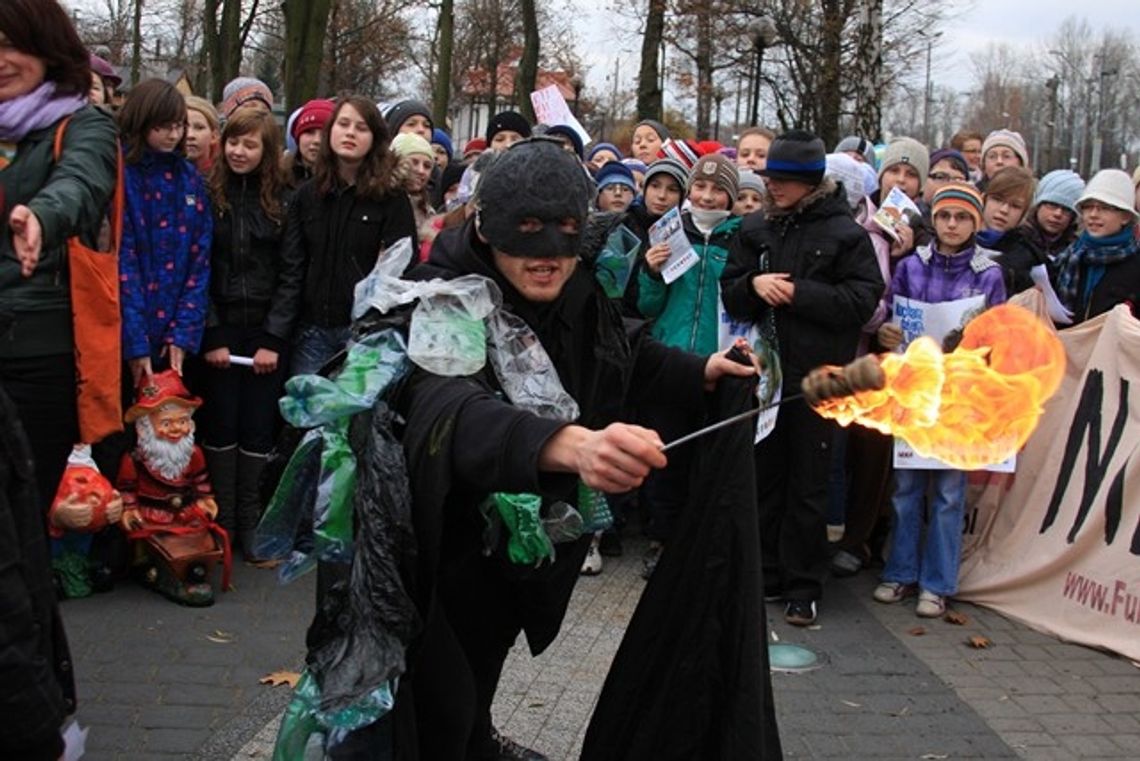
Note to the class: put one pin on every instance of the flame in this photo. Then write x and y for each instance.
(973, 407)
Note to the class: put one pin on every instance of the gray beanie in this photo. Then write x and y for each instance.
(671, 167)
(749, 180)
(859, 145)
(907, 150)
(1061, 187)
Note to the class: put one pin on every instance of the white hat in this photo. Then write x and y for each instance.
(1112, 187)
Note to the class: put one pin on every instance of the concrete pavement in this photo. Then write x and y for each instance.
(155, 682)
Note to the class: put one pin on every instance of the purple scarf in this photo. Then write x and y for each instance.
(42, 107)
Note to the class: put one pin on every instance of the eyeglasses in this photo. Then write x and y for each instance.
(170, 127)
(945, 177)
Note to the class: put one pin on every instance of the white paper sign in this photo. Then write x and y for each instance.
(550, 108)
(770, 386)
(1058, 312)
(917, 318)
(682, 258)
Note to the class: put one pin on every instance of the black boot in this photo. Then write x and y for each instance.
(222, 464)
(249, 504)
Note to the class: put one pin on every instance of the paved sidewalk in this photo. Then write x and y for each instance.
(152, 685)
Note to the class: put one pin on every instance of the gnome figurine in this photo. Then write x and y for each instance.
(168, 504)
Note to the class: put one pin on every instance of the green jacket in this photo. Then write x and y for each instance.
(69, 198)
(685, 313)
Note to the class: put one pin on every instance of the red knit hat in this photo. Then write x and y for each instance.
(153, 391)
(474, 145)
(314, 115)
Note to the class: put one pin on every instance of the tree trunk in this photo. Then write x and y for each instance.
(704, 72)
(829, 97)
(528, 64)
(210, 53)
(136, 43)
(441, 88)
(650, 104)
(306, 22)
(869, 72)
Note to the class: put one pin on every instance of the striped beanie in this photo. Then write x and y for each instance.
(959, 195)
(1010, 139)
(796, 155)
(721, 171)
(685, 151)
(242, 90)
(671, 167)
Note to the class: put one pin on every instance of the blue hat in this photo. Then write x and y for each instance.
(603, 147)
(570, 134)
(635, 165)
(1062, 187)
(439, 137)
(615, 173)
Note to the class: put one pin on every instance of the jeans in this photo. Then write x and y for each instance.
(935, 566)
(315, 346)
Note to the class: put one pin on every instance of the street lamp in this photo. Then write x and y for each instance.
(718, 96)
(763, 36)
(1098, 138)
(929, 92)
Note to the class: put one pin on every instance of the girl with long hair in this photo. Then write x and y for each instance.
(164, 263)
(253, 303)
(340, 221)
(203, 130)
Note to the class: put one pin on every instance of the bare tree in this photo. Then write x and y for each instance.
(306, 24)
(441, 82)
(650, 102)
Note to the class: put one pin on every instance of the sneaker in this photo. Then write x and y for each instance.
(507, 749)
(592, 565)
(930, 605)
(845, 564)
(800, 612)
(650, 558)
(894, 591)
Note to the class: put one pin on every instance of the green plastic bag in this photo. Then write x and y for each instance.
(527, 543)
(595, 510)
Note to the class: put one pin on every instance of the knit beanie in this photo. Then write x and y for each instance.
(671, 167)
(570, 134)
(858, 145)
(440, 138)
(475, 145)
(1112, 187)
(599, 147)
(615, 173)
(1010, 139)
(749, 180)
(241, 91)
(313, 115)
(906, 150)
(959, 195)
(507, 121)
(954, 157)
(848, 172)
(404, 110)
(796, 155)
(1061, 187)
(685, 151)
(661, 130)
(721, 171)
(411, 144)
(635, 165)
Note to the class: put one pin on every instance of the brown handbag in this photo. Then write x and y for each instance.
(97, 320)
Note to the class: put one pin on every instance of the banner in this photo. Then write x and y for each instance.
(1057, 545)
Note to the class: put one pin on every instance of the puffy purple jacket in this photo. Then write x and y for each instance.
(933, 278)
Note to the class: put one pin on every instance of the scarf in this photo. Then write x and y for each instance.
(989, 238)
(1091, 255)
(40, 108)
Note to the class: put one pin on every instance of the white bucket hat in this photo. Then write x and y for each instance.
(1112, 187)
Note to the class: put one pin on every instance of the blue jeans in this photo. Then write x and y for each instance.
(315, 346)
(933, 563)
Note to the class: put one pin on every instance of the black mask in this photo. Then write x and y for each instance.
(534, 179)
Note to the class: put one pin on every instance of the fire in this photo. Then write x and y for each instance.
(973, 407)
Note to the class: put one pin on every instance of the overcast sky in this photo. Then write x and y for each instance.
(1018, 22)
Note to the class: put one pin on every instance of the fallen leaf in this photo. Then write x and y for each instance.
(221, 637)
(934, 756)
(266, 564)
(535, 705)
(978, 642)
(955, 617)
(902, 712)
(916, 631)
(278, 678)
(851, 703)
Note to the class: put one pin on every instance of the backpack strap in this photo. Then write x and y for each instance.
(117, 200)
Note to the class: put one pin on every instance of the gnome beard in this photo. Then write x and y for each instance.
(168, 459)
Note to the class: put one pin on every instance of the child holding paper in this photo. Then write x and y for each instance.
(951, 268)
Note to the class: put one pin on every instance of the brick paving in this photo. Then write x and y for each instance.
(152, 685)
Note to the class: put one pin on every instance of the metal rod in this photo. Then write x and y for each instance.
(727, 422)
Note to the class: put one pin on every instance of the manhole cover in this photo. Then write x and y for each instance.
(790, 658)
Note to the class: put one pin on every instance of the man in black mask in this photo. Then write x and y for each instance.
(464, 440)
